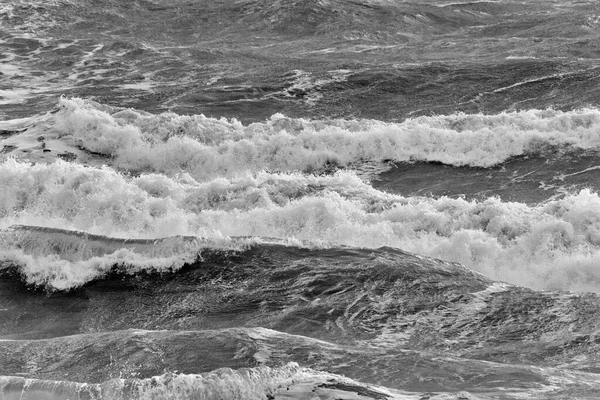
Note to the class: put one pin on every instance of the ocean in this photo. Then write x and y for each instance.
(299, 199)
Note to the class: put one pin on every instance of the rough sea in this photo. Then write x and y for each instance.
(299, 199)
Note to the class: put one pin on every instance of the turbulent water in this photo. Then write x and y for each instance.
(299, 199)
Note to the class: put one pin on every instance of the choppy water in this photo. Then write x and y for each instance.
(299, 199)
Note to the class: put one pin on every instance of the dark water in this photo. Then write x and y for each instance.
(299, 199)
(249, 59)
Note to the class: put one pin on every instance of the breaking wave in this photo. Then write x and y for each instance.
(554, 245)
(206, 147)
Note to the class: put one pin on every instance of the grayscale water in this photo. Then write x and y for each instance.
(299, 199)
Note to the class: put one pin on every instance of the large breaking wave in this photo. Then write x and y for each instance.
(165, 175)
(552, 245)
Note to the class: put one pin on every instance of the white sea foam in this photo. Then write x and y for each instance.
(555, 245)
(205, 177)
(208, 147)
(286, 382)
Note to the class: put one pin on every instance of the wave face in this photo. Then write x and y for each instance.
(295, 199)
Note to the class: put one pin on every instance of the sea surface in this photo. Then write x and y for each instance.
(299, 199)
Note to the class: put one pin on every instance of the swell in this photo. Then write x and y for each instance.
(291, 17)
(335, 309)
(368, 302)
(97, 358)
(318, 17)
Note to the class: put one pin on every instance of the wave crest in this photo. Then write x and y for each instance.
(207, 147)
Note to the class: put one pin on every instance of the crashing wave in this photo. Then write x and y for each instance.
(208, 147)
(554, 245)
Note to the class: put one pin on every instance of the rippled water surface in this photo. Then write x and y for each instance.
(299, 199)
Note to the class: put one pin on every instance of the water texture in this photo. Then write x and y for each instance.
(299, 199)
